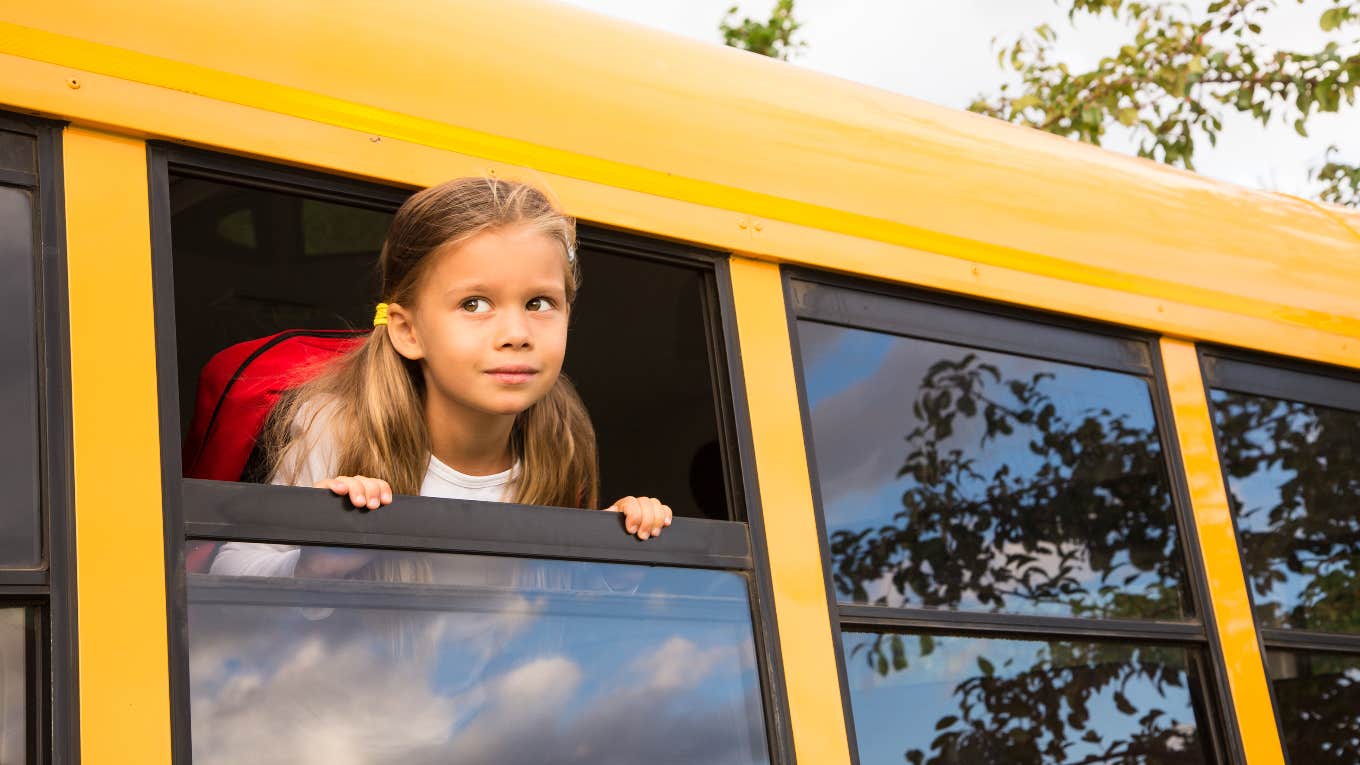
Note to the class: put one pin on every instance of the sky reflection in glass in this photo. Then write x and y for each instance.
(1294, 481)
(936, 700)
(459, 658)
(961, 478)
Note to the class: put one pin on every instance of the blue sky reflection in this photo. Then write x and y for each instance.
(510, 661)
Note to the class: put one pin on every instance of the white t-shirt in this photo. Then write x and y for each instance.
(257, 559)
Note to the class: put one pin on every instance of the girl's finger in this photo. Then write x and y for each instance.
(356, 490)
(663, 516)
(669, 514)
(373, 492)
(622, 507)
(647, 523)
(386, 492)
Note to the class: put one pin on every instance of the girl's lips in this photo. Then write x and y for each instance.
(512, 375)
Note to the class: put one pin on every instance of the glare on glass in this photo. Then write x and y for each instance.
(959, 478)
(425, 658)
(937, 700)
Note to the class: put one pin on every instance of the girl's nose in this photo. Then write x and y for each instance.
(514, 330)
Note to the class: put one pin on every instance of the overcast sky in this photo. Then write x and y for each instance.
(942, 51)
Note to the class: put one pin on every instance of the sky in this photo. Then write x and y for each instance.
(942, 51)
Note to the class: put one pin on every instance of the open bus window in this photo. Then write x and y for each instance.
(643, 349)
(432, 658)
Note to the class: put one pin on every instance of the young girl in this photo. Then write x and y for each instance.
(458, 391)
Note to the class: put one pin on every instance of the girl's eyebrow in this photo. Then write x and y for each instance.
(481, 287)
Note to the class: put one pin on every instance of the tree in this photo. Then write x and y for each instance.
(1184, 68)
(773, 37)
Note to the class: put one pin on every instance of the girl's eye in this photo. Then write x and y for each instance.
(540, 304)
(476, 305)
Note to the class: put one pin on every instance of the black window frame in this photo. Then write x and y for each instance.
(48, 591)
(907, 311)
(1287, 379)
(197, 509)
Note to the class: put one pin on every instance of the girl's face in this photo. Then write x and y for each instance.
(489, 324)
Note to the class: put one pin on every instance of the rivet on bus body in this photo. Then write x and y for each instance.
(73, 84)
(741, 224)
(760, 226)
(375, 138)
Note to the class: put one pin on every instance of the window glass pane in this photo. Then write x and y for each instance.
(959, 478)
(13, 684)
(939, 699)
(415, 658)
(18, 152)
(1317, 697)
(1295, 490)
(20, 542)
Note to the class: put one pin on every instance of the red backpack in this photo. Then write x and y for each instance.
(236, 390)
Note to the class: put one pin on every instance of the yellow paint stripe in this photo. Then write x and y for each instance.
(133, 66)
(793, 549)
(120, 582)
(1218, 546)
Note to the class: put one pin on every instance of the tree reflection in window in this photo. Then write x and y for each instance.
(974, 700)
(989, 481)
(1295, 489)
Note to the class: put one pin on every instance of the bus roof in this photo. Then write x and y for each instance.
(578, 95)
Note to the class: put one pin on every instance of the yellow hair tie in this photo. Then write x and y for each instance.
(380, 315)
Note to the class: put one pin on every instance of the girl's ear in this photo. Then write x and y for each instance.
(402, 331)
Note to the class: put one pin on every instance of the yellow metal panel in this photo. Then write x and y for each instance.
(120, 567)
(793, 548)
(596, 99)
(1218, 547)
(148, 111)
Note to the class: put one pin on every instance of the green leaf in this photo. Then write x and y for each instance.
(1127, 117)
(1331, 19)
(1299, 128)
(1024, 102)
(987, 667)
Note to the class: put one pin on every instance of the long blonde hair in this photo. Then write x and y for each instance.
(373, 397)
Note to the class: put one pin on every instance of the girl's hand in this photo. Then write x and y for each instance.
(643, 516)
(363, 492)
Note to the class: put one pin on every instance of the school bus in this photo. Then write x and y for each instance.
(987, 446)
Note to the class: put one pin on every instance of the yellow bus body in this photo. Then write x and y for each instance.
(642, 130)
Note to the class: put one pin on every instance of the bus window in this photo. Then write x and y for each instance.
(981, 697)
(1289, 442)
(37, 640)
(990, 474)
(20, 518)
(424, 657)
(440, 630)
(645, 349)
